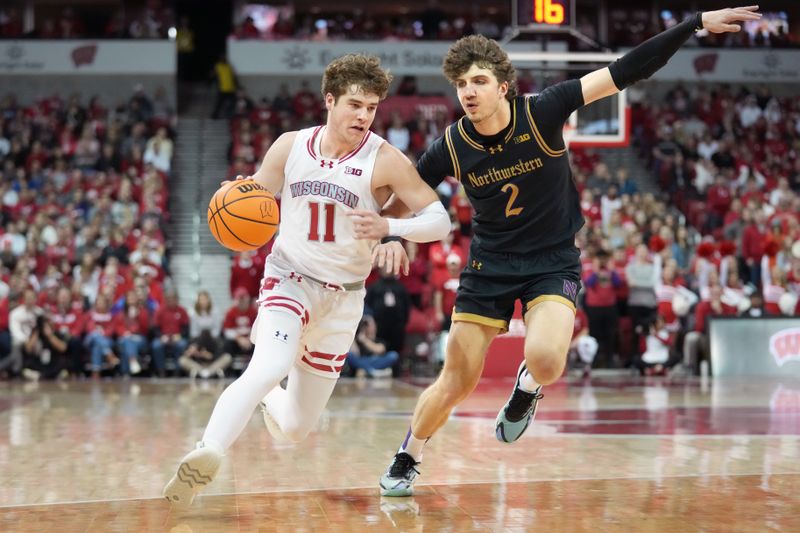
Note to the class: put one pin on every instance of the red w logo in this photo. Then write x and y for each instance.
(705, 63)
(322, 163)
(84, 55)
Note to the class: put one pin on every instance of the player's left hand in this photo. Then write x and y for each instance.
(368, 224)
(391, 257)
(723, 20)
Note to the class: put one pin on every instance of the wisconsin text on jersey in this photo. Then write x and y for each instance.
(326, 189)
(494, 174)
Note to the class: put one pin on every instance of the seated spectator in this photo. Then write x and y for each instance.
(171, 331)
(68, 321)
(202, 357)
(237, 325)
(131, 326)
(99, 336)
(368, 354)
(46, 353)
(21, 322)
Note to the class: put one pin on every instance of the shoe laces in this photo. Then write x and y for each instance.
(402, 464)
(520, 403)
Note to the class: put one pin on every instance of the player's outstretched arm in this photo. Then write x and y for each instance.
(644, 60)
(394, 172)
(270, 173)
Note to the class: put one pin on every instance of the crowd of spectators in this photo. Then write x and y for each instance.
(728, 243)
(151, 21)
(432, 23)
(84, 275)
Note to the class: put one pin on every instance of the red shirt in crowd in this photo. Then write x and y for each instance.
(707, 309)
(246, 272)
(100, 321)
(601, 288)
(753, 240)
(69, 322)
(171, 320)
(238, 322)
(719, 199)
(134, 321)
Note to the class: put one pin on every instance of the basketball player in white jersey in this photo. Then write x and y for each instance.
(333, 179)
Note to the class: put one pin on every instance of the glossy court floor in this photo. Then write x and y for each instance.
(611, 454)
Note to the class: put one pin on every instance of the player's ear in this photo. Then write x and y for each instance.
(503, 89)
(330, 100)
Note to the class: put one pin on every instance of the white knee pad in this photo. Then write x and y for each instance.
(587, 349)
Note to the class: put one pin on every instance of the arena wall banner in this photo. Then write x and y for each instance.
(732, 65)
(87, 57)
(755, 346)
(300, 58)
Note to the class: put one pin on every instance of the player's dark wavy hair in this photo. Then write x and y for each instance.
(484, 52)
(362, 70)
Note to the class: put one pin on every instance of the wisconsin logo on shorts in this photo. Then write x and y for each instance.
(570, 289)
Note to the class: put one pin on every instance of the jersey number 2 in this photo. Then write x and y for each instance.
(511, 212)
(313, 231)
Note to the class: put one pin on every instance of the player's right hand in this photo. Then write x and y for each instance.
(391, 257)
(239, 177)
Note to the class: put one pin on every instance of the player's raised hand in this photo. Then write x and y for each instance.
(724, 20)
(368, 224)
(391, 257)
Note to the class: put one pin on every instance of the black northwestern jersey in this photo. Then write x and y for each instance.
(519, 181)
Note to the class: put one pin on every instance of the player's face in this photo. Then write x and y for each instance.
(352, 114)
(480, 93)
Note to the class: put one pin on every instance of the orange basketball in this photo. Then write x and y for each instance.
(243, 215)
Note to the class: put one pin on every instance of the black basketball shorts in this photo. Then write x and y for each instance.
(492, 282)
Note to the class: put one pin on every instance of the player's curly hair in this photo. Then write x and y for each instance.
(362, 70)
(484, 52)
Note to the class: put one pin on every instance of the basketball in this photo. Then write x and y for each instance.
(243, 215)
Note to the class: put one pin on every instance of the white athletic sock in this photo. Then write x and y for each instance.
(413, 446)
(527, 383)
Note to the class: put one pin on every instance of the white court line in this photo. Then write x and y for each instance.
(375, 486)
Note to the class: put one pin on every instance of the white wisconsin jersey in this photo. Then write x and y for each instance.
(316, 236)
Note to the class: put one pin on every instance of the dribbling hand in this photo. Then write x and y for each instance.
(391, 257)
(239, 177)
(723, 20)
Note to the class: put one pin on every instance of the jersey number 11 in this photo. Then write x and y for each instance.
(313, 231)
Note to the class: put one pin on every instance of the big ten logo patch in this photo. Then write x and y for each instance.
(353, 171)
(522, 138)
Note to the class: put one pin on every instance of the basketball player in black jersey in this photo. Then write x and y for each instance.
(509, 154)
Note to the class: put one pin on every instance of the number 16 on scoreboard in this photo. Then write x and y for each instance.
(543, 14)
(548, 12)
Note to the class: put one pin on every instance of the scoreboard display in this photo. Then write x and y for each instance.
(543, 14)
